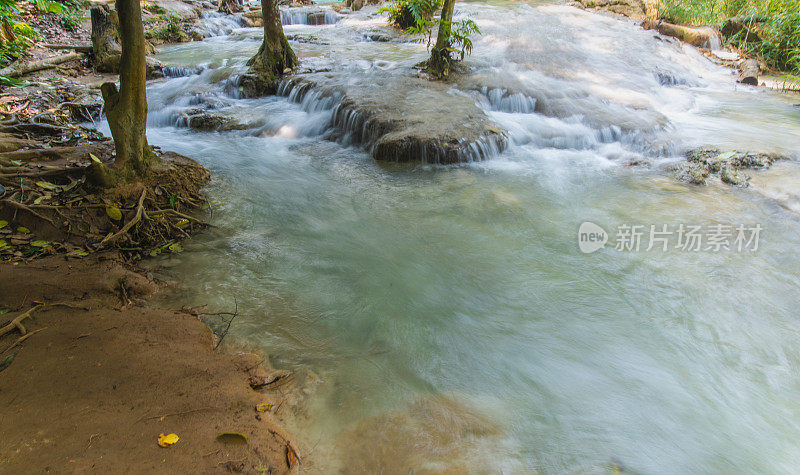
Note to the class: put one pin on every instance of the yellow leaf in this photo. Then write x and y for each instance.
(114, 213)
(167, 440)
(94, 158)
(291, 456)
(47, 185)
(23, 230)
(264, 407)
(182, 223)
(3, 224)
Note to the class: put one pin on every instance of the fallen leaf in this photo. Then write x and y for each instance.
(23, 230)
(40, 199)
(3, 244)
(40, 243)
(182, 223)
(233, 438)
(114, 213)
(3, 224)
(94, 158)
(291, 456)
(264, 407)
(4, 310)
(175, 248)
(167, 440)
(16, 163)
(47, 185)
(77, 253)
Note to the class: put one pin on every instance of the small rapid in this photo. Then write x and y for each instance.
(448, 316)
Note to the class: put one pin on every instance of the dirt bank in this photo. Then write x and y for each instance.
(103, 374)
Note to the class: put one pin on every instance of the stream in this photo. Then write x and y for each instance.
(444, 317)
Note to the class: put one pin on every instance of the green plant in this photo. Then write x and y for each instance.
(412, 15)
(416, 18)
(771, 27)
(171, 30)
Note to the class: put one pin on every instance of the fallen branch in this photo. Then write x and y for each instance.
(17, 322)
(228, 327)
(78, 48)
(18, 70)
(129, 225)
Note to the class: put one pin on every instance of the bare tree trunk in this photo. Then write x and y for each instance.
(274, 56)
(126, 108)
(438, 65)
(105, 39)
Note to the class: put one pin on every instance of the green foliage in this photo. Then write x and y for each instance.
(170, 31)
(460, 36)
(416, 18)
(153, 8)
(413, 16)
(775, 24)
(47, 6)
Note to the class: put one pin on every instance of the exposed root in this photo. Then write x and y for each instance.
(22, 339)
(131, 223)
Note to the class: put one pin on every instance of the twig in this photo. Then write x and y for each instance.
(183, 413)
(130, 223)
(228, 327)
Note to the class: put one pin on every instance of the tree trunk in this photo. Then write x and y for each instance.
(438, 65)
(748, 72)
(126, 108)
(274, 56)
(230, 6)
(105, 39)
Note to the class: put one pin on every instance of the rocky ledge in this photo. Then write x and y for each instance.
(402, 119)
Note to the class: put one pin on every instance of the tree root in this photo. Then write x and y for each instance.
(21, 339)
(129, 225)
(23, 207)
(17, 322)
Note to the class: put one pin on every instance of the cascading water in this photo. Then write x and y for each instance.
(447, 311)
(308, 16)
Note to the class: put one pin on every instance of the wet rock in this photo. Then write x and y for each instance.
(705, 161)
(411, 121)
(252, 19)
(207, 122)
(379, 37)
(729, 175)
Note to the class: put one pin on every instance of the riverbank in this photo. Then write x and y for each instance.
(102, 374)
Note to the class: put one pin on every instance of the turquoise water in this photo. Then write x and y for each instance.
(448, 314)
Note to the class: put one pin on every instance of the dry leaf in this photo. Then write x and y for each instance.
(264, 407)
(167, 440)
(291, 456)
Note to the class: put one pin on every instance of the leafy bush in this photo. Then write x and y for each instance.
(412, 14)
(416, 17)
(775, 24)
